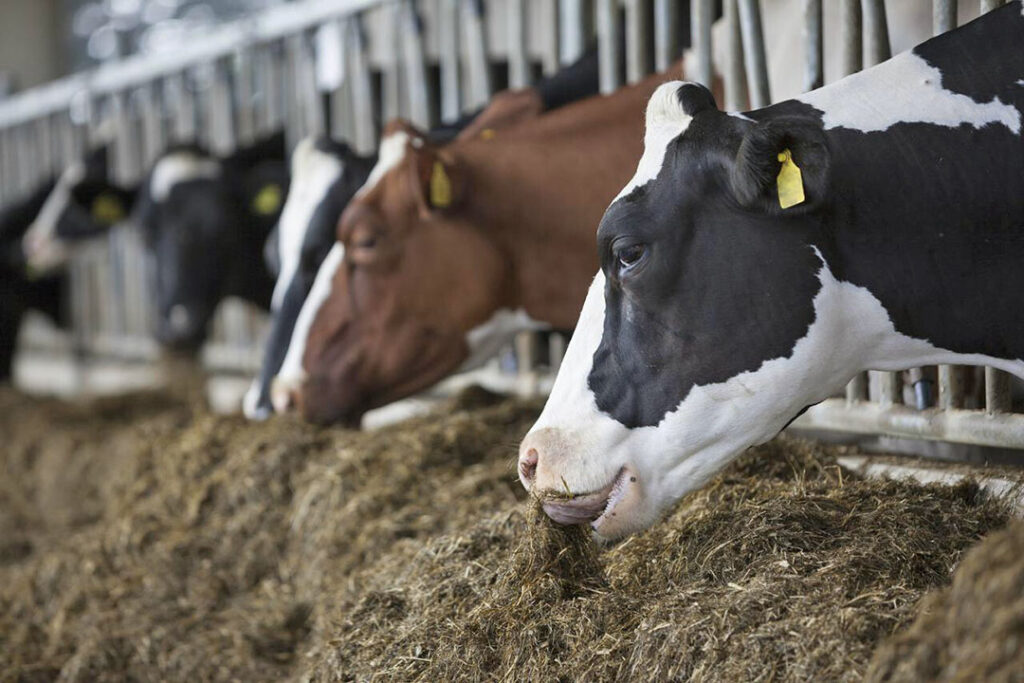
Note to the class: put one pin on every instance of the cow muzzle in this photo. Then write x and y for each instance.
(284, 393)
(611, 510)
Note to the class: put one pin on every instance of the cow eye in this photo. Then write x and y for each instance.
(629, 255)
(365, 242)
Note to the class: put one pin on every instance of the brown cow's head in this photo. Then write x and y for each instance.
(412, 276)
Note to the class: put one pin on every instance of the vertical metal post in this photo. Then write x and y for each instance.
(814, 70)
(570, 30)
(219, 114)
(850, 36)
(735, 79)
(876, 32)
(478, 67)
(365, 138)
(754, 53)
(943, 16)
(608, 45)
(701, 12)
(856, 389)
(243, 96)
(178, 97)
(989, 5)
(884, 388)
(448, 43)
(949, 387)
(415, 66)
(637, 41)
(519, 75)
(549, 12)
(666, 33)
(997, 391)
(391, 90)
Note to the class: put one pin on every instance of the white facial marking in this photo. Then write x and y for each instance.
(851, 332)
(313, 174)
(43, 251)
(391, 152)
(291, 372)
(905, 89)
(179, 167)
(486, 340)
(666, 121)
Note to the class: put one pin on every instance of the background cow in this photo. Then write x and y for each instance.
(755, 263)
(448, 251)
(205, 221)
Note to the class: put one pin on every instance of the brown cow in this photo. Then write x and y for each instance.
(447, 251)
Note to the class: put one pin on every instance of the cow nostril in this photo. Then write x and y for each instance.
(528, 465)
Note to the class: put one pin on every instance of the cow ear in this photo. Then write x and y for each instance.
(438, 180)
(781, 168)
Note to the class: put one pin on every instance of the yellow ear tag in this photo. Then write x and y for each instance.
(440, 187)
(107, 209)
(790, 181)
(487, 134)
(267, 201)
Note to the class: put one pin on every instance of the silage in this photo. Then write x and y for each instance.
(216, 549)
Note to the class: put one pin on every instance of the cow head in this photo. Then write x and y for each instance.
(397, 303)
(82, 204)
(184, 216)
(325, 175)
(712, 323)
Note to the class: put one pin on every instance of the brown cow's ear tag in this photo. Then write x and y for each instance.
(440, 187)
(790, 181)
(107, 209)
(267, 201)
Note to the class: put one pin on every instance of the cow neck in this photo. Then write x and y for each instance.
(540, 190)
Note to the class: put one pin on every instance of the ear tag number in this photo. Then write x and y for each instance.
(790, 181)
(267, 201)
(107, 209)
(440, 187)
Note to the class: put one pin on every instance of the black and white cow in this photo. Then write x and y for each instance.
(19, 290)
(205, 221)
(718, 316)
(325, 175)
(80, 204)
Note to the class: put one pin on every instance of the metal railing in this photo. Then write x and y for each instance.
(430, 61)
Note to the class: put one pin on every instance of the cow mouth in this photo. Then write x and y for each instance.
(589, 508)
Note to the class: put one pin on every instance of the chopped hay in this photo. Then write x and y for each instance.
(971, 631)
(215, 549)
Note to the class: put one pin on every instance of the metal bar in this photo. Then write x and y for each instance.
(876, 32)
(549, 38)
(701, 13)
(949, 387)
(856, 389)
(448, 43)
(850, 36)
(179, 99)
(943, 16)
(477, 65)
(666, 33)
(608, 28)
(997, 392)
(415, 66)
(268, 25)
(219, 112)
(365, 139)
(519, 75)
(391, 88)
(814, 70)
(735, 78)
(883, 387)
(638, 17)
(1004, 430)
(754, 54)
(570, 30)
(989, 5)
(243, 96)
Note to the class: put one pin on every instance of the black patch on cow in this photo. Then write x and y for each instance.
(928, 218)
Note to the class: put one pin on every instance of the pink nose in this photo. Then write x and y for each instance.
(528, 467)
(284, 395)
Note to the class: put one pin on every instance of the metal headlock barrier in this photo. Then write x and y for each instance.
(344, 66)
